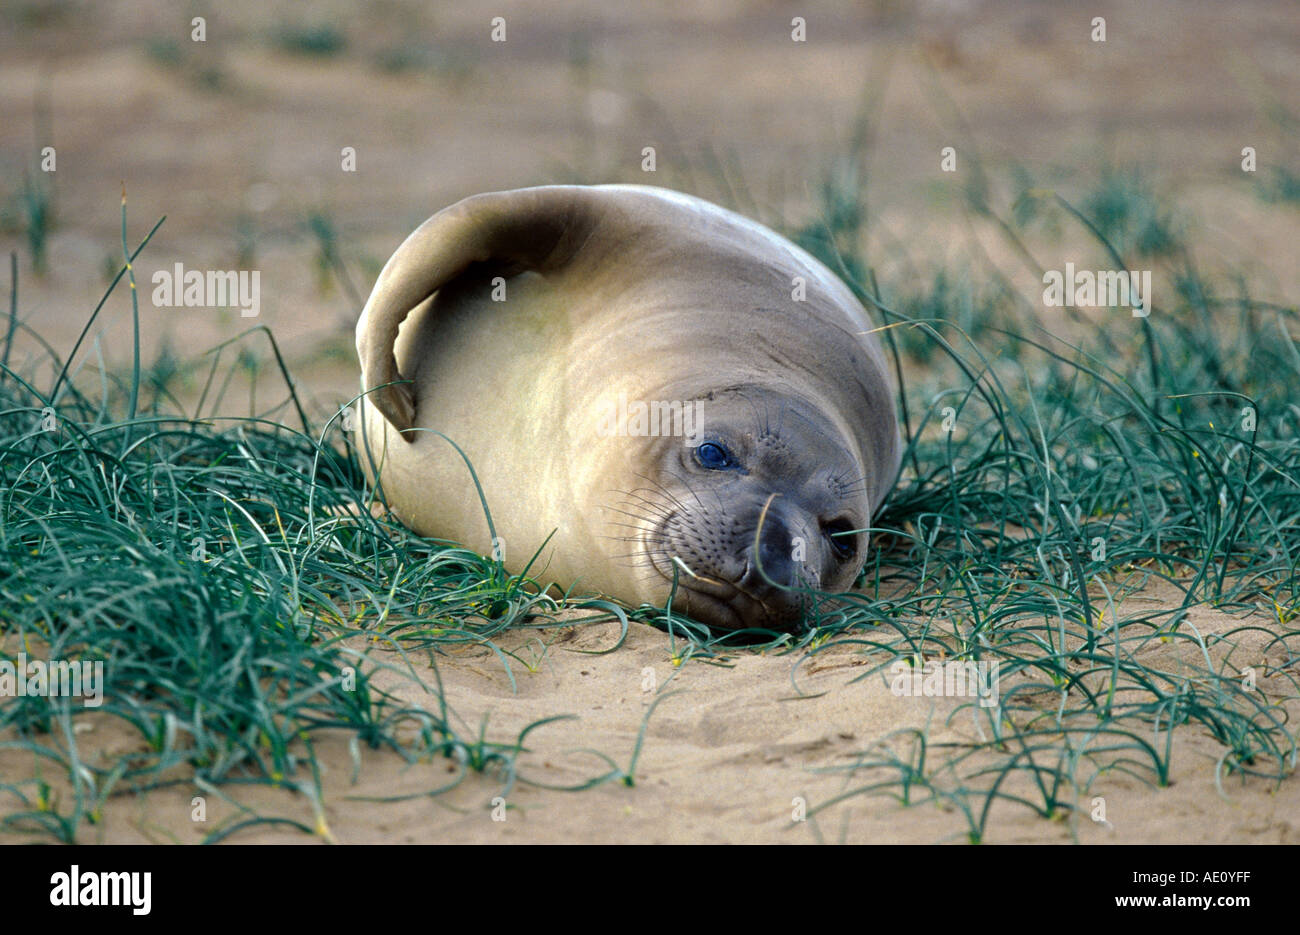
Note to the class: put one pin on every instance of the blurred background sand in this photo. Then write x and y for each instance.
(238, 139)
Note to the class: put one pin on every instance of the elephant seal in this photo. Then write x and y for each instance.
(647, 386)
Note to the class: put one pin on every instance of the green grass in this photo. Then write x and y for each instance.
(317, 40)
(229, 572)
(328, 261)
(37, 210)
(1172, 442)
(225, 570)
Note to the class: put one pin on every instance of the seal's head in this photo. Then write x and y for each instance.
(766, 503)
(514, 323)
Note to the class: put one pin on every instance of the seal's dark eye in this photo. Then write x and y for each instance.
(713, 456)
(840, 534)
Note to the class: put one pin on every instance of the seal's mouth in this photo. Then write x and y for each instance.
(708, 609)
(730, 605)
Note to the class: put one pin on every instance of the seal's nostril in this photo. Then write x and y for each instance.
(776, 553)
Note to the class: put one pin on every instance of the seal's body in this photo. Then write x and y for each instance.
(664, 385)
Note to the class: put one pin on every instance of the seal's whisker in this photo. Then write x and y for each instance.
(634, 515)
(685, 482)
(634, 539)
(677, 560)
(669, 494)
(664, 490)
(714, 491)
(651, 575)
(636, 558)
(638, 527)
(839, 479)
(640, 530)
(631, 499)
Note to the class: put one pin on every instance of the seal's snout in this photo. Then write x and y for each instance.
(777, 548)
(783, 567)
(747, 574)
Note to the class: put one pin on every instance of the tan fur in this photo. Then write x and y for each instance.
(609, 290)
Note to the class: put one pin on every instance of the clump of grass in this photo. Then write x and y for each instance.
(835, 236)
(450, 64)
(44, 15)
(165, 51)
(1281, 184)
(953, 296)
(329, 260)
(229, 574)
(1044, 482)
(246, 241)
(400, 59)
(1160, 451)
(36, 203)
(195, 61)
(317, 40)
(1128, 214)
